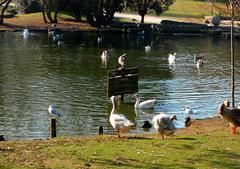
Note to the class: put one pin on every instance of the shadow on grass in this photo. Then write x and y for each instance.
(186, 138)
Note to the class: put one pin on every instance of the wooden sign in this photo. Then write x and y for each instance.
(122, 81)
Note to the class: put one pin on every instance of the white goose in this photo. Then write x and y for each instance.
(52, 110)
(118, 121)
(164, 124)
(147, 104)
(122, 60)
(148, 49)
(171, 58)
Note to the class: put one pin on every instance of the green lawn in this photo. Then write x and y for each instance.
(213, 150)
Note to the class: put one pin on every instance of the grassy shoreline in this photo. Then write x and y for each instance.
(205, 144)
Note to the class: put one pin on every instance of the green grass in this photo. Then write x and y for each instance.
(214, 150)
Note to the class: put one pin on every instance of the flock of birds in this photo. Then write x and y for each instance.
(162, 123)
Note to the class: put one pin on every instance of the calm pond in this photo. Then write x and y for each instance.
(35, 72)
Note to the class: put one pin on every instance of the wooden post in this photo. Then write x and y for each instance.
(2, 138)
(53, 127)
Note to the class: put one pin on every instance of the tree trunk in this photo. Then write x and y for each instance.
(232, 57)
(142, 18)
(3, 10)
(55, 17)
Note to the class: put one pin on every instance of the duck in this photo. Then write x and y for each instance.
(118, 121)
(147, 104)
(52, 110)
(146, 125)
(188, 121)
(171, 58)
(199, 63)
(188, 110)
(197, 58)
(148, 49)
(164, 125)
(231, 115)
(122, 60)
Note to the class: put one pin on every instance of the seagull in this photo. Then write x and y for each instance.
(171, 58)
(104, 55)
(122, 59)
(52, 110)
(188, 110)
(148, 49)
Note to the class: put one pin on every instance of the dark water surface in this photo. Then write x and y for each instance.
(36, 72)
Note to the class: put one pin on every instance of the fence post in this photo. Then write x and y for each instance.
(53, 127)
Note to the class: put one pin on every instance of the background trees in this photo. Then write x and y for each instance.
(146, 6)
(231, 10)
(4, 5)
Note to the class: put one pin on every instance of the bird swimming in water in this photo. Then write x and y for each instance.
(171, 58)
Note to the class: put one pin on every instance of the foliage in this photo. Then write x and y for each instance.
(4, 5)
(145, 6)
(231, 9)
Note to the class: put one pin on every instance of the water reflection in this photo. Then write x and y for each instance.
(35, 73)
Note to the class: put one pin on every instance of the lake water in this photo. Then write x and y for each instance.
(35, 72)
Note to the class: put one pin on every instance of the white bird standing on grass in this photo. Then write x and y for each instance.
(118, 121)
(171, 58)
(164, 124)
(52, 110)
(147, 104)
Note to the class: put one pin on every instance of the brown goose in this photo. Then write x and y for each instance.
(232, 115)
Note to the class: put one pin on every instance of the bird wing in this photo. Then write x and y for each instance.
(121, 121)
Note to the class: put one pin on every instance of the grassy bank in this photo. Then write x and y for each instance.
(206, 144)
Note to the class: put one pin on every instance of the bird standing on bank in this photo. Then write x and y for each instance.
(164, 124)
(118, 121)
(231, 115)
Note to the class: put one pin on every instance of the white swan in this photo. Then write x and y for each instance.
(52, 110)
(148, 49)
(171, 58)
(147, 104)
(164, 124)
(188, 110)
(118, 121)
(122, 60)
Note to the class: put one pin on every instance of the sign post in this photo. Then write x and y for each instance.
(122, 81)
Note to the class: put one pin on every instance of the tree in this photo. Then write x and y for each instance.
(75, 9)
(101, 12)
(52, 6)
(4, 5)
(146, 6)
(232, 10)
